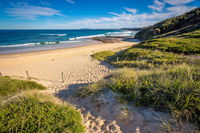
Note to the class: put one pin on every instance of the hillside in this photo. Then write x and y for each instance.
(173, 26)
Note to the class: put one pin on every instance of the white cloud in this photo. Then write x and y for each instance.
(180, 9)
(122, 20)
(131, 10)
(70, 1)
(178, 2)
(157, 5)
(25, 11)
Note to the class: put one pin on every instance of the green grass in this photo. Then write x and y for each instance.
(174, 44)
(194, 34)
(156, 52)
(103, 55)
(9, 86)
(145, 58)
(175, 90)
(140, 58)
(39, 113)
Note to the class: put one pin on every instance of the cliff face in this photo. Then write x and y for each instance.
(181, 24)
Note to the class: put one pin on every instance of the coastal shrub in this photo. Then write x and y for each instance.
(31, 114)
(103, 55)
(175, 90)
(10, 86)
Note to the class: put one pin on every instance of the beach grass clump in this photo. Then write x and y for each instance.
(10, 86)
(103, 55)
(37, 113)
(175, 90)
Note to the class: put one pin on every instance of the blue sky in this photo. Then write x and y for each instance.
(75, 14)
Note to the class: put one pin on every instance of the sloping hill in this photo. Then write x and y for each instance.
(173, 26)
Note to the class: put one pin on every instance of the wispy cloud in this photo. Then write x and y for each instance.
(180, 9)
(124, 19)
(157, 5)
(178, 2)
(26, 11)
(70, 1)
(131, 10)
(132, 18)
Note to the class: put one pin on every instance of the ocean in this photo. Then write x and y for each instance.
(15, 41)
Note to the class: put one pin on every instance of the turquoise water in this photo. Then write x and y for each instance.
(13, 41)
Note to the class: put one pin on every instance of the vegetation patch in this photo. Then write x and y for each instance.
(38, 114)
(175, 44)
(176, 90)
(10, 86)
(194, 34)
(144, 58)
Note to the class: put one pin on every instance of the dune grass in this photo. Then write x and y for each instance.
(34, 112)
(175, 90)
(140, 58)
(9, 86)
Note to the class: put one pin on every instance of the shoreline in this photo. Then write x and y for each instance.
(39, 52)
(76, 64)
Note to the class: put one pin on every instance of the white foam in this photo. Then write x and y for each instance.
(54, 34)
(86, 37)
(121, 33)
(17, 45)
(32, 44)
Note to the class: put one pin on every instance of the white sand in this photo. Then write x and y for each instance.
(47, 66)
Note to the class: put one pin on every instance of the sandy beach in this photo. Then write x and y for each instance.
(78, 69)
(47, 67)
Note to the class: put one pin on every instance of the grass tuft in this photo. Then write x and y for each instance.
(10, 86)
(38, 113)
